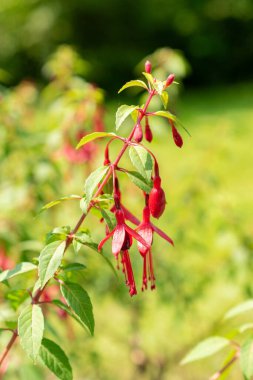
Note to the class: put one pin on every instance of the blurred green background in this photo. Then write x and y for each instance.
(46, 100)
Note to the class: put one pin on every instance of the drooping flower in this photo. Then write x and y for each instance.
(148, 132)
(138, 134)
(157, 201)
(176, 135)
(122, 235)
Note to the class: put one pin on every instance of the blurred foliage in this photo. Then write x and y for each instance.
(209, 216)
(215, 35)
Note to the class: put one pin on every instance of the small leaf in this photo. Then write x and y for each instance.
(134, 83)
(79, 301)
(95, 135)
(139, 181)
(18, 269)
(122, 113)
(30, 330)
(166, 114)
(55, 359)
(149, 78)
(50, 260)
(141, 160)
(206, 348)
(239, 309)
(57, 201)
(73, 267)
(84, 238)
(109, 218)
(246, 359)
(165, 99)
(92, 182)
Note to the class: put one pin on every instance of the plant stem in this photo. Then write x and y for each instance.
(9, 346)
(36, 297)
(223, 369)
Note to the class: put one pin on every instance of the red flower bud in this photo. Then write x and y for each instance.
(148, 67)
(157, 199)
(169, 80)
(138, 135)
(176, 136)
(148, 132)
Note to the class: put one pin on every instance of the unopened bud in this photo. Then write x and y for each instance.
(148, 67)
(138, 135)
(148, 132)
(157, 199)
(176, 136)
(169, 80)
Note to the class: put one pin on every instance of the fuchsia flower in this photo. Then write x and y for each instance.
(146, 230)
(176, 135)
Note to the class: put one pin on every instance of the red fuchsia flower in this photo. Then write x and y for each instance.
(122, 240)
(122, 235)
(148, 132)
(157, 201)
(169, 80)
(146, 230)
(176, 135)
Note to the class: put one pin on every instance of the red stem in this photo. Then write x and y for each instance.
(9, 346)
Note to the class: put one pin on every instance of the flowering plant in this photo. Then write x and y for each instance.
(102, 194)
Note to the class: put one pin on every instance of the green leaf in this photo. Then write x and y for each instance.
(134, 83)
(246, 358)
(55, 359)
(73, 267)
(92, 182)
(93, 136)
(122, 113)
(58, 233)
(84, 238)
(149, 78)
(18, 269)
(139, 181)
(246, 326)
(57, 201)
(239, 309)
(30, 330)
(206, 348)
(109, 218)
(79, 301)
(165, 99)
(50, 260)
(142, 161)
(166, 114)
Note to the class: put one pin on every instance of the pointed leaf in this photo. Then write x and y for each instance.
(139, 181)
(18, 269)
(92, 182)
(30, 330)
(246, 359)
(134, 83)
(239, 309)
(166, 114)
(206, 348)
(142, 161)
(55, 359)
(165, 99)
(109, 218)
(93, 136)
(73, 267)
(57, 201)
(149, 78)
(79, 301)
(50, 260)
(122, 113)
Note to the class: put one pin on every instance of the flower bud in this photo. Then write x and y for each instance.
(138, 135)
(176, 136)
(157, 199)
(148, 67)
(148, 132)
(169, 80)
